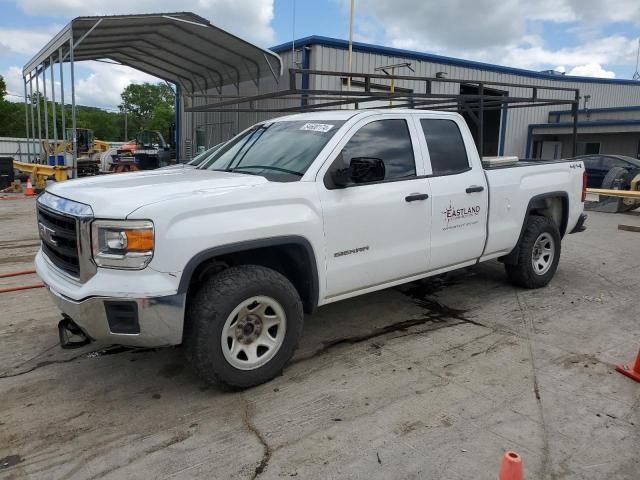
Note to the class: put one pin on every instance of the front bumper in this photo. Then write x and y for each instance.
(138, 308)
(159, 319)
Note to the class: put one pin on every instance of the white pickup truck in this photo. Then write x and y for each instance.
(292, 214)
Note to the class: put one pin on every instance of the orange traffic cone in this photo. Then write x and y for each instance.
(511, 468)
(29, 191)
(631, 372)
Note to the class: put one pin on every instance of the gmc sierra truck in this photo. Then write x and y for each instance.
(292, 214)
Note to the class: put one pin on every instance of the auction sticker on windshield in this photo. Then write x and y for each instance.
(317, 127)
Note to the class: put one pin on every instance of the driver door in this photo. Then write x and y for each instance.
(376, 232)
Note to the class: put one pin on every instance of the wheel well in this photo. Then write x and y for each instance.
(290, 259)
(554, 208)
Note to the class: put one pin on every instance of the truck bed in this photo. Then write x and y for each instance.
(527, 163)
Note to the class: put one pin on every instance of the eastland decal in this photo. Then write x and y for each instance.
(454, 216)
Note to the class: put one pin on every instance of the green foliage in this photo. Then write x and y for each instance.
(3, 88)
(105, 125)
(147, 106)
(11, 115)
(162, 118)
(12, 119)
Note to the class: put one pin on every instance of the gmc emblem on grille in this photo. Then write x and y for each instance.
(47, 234)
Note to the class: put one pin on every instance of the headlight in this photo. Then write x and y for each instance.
(122, 244)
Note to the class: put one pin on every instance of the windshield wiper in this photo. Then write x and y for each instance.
(237, 170)
(231, 170)
(267, 167)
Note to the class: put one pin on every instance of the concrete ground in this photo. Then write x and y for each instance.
(432, 380)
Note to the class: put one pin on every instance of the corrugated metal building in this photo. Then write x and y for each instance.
(613, 104)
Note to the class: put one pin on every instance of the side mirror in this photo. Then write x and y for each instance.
(360, 170)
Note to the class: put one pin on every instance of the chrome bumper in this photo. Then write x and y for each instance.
(160, 319)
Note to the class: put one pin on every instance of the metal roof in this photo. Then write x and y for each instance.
(430, 57)
(182, 48)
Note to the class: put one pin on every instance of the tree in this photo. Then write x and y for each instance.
(11, 115)
(149, 106)
(12, 119)
(3, 89)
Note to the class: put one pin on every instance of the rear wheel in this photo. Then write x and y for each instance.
(243, 326)
(539, 254)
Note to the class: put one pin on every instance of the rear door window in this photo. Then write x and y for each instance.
(446, 147)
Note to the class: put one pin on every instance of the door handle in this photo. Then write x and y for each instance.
(475, 188)
(416, 196)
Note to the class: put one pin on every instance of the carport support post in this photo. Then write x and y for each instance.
(481, 121)
(33, 121)
(26, 120)
(53, 107)
(574, 112)
(46, 107)
(64, 131)
(238, 110)
(38, 110)
(178, 134)
(74, 138)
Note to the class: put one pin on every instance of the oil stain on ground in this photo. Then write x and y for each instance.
(171, 370)
(10, 461)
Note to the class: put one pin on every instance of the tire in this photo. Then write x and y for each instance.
(527, 272)
(615, 179)
(220, 345)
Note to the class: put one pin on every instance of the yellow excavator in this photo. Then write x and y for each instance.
(56, 158)
(89, 151)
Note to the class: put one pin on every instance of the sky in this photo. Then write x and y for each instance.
(596, 38)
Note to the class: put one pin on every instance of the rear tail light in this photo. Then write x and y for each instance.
(584, 185)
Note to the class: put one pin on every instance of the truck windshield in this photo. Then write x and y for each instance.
(280, 151)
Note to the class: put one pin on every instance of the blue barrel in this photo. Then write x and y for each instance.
(56, 160)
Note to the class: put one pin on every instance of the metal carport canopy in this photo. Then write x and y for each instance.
(182, 48)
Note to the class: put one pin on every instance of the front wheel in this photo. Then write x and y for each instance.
(539, 254)
(243, 326)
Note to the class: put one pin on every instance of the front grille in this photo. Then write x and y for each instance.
(58, 233)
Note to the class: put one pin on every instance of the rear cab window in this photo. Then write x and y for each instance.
(447, 151)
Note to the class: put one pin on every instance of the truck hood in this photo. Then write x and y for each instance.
(118, 195)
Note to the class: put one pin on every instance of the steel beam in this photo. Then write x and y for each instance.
(574, 113)
(33, 122)
(38, 110)
(74, 133)
(53, 105)
(46, 106)
(62, 111)
(480, 141)
(26, 119)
